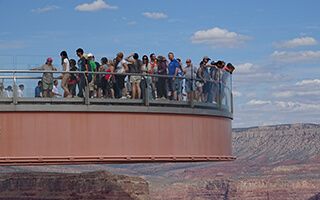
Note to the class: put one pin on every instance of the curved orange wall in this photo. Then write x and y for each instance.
(78, 136)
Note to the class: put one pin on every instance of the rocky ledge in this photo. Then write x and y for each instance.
(58, 186)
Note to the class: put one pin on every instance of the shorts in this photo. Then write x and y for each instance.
(91, 86)
(189, 86)
(135, 79)
(47, 86)
(172, 85)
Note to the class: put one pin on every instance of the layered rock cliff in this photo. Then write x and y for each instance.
(86, 186)
(273, 162)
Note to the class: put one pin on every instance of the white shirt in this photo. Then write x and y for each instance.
(9, 94)
(120, 67)
(55, 91)
(20, 93)
(67, 64)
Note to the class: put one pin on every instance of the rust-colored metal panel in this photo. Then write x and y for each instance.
(90, 137)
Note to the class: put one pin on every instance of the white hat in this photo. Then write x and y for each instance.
(90, 55)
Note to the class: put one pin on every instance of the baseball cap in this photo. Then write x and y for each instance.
(49, 59)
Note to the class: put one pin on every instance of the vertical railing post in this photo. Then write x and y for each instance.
(15, 94)
(231, 93)
(146, 91)
(86, 91)
(192, 90)
(231, 102)
(219, 101)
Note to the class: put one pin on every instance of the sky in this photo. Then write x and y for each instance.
(274, 45)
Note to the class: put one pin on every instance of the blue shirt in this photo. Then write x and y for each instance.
(37, 91)
(173, 65)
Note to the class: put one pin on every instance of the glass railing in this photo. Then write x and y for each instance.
(115, 88)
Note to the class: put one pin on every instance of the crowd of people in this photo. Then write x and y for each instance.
(132, 77)
(8, 91)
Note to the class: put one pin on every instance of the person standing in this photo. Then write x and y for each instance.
(55, 90)
(190, 74)
(9, 92)
(179, 80)
(20, 91)
(173, 72)
(135, 68)
(47, 77)
(83, 67)
(162, 83)
(121, 66)
(153, 70)
(65, 76)
(109, 78)
(146, 82)
(38, 90)
(73, 80)
(92, 67)
(100, 78)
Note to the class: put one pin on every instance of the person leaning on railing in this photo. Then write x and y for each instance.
(47, 77)
(225, 81)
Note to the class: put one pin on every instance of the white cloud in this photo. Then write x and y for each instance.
(11, 44)
(292, 93)
(309, 82)
(255, 102)
(245, 68)
(285, 56)
(155, 15)
(45, 9)
(296, 106)
(308, 90)
(94, 6)
(218, 37)
(132, 23)
(283, 94)
(297, 42)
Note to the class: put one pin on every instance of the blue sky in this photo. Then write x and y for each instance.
(273, 44)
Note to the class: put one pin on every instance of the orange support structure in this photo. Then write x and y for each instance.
(31, 137)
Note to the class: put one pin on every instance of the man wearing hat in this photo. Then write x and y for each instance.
(92, 65)
(47, 77)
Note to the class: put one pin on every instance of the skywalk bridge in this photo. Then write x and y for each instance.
(104, 130)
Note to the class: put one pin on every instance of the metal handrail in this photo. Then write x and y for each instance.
(90, 72)
(219, 83)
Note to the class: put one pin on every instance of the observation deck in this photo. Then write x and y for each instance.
(107, 130)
